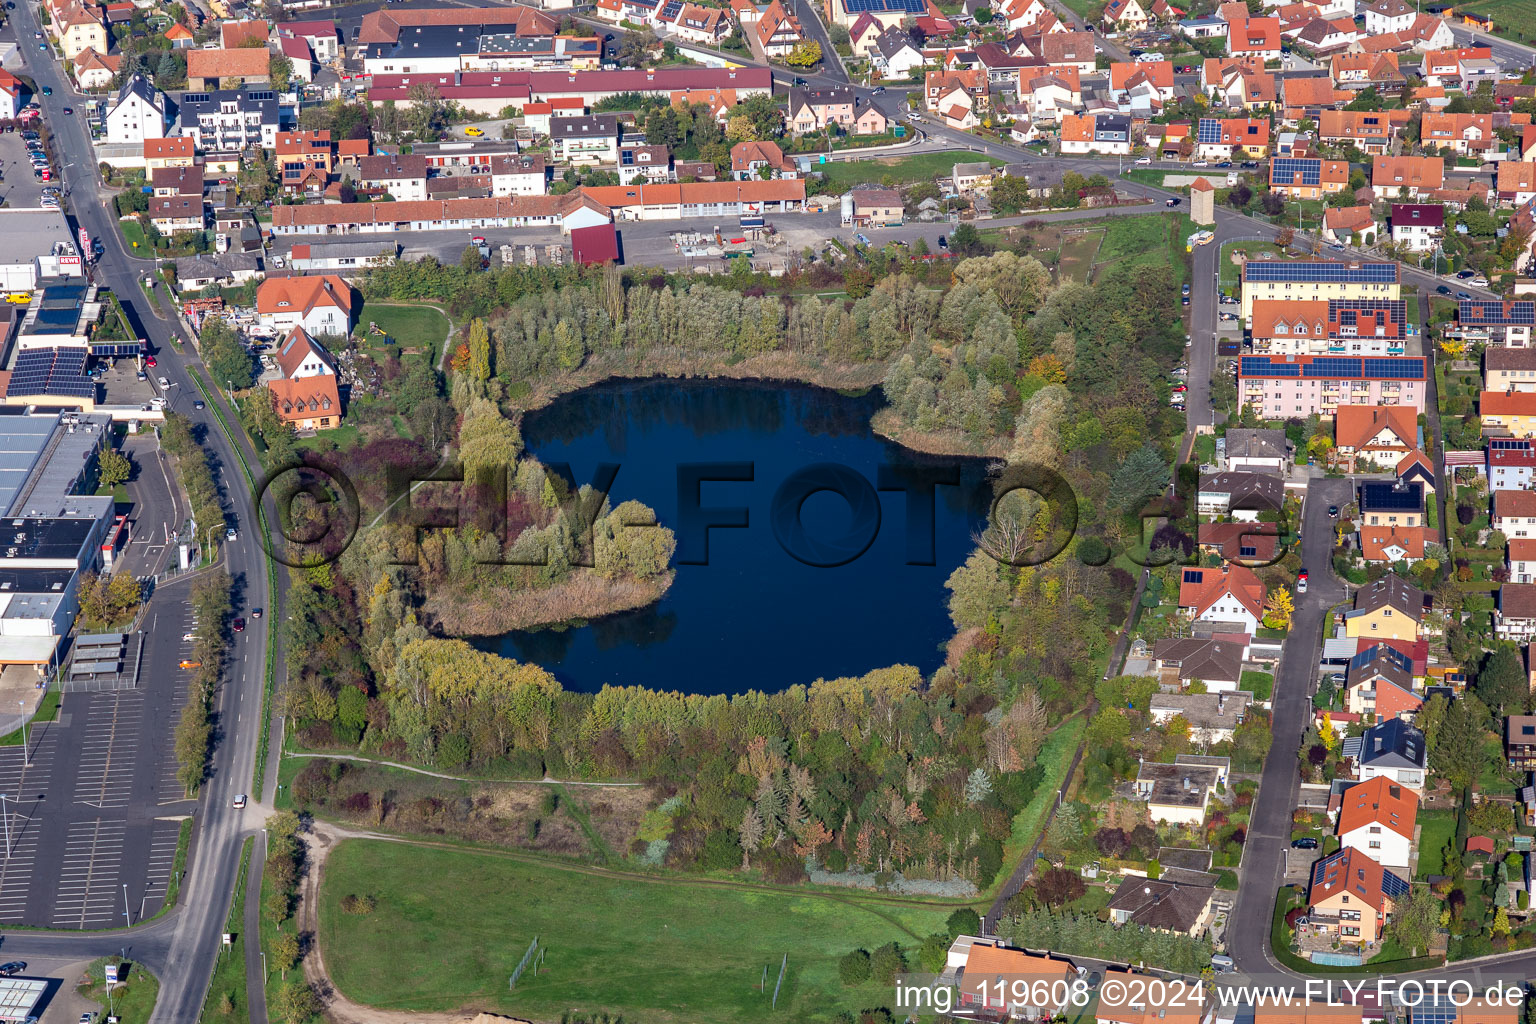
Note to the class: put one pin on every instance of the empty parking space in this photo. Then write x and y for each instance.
(88, 894)
(107, 755)
(162, 853)
(18, 867)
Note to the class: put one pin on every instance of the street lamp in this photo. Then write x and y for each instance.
(26, 754)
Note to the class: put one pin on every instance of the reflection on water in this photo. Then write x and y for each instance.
(754, 617)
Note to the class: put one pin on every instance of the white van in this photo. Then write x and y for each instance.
(1223, 964)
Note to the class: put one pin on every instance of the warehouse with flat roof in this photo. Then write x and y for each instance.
(38, 244)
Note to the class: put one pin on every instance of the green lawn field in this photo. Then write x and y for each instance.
(904, 170)
(1514, 19)
(449, 926)
(419, 328)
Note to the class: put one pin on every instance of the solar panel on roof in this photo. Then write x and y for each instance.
(1392, 886)
(1395, 368)
(1209, 130)
(51, 371)
(1308, 271)
(1296, 171)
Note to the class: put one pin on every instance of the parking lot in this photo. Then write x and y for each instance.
(98, 808)
(20, 188)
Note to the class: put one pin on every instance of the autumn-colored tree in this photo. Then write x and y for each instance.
(460, 361)
(1048, 368)
(1278, 608)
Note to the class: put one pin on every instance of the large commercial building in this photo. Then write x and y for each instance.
(1289, 280)
(488, 92)
(38, 245)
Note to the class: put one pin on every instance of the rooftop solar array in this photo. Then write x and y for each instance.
(1393, 886)
(1368, 656)
(1519, 313)
(1307, 271)
(1380, 367)
(1509, 444)
(1390, 497)
(116, 349)
(1292, 170)
(1209, 131)
(1346, 311)
(51, 371)
(863, 6)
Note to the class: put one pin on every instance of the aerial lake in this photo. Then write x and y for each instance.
(754, 616)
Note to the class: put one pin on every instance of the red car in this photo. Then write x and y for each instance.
(149, 360)
(239, 625)
(1180, 387)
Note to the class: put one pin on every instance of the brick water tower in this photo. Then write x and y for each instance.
(1202, 202)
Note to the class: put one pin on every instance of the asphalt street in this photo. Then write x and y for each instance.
(180, 948)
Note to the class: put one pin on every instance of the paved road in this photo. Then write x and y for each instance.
(1269, 828)
(181, 948)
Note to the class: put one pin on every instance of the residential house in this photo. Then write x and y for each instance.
(1069, 49)
(1212, 717)
(778, 31)
(1238, 83)
(871, 120)
(1392, 750)
(1251, 544)
(322, 305)
(226, 269)
(1410, 176)
(1514, 513)
(519, 174)
(1278, 387)
(1463, 134)
(1024, 14)
(1231, 594)
(707, 26)
(1508, 414)
(997, 981)
(1388, 17)
(1379, 818)
(1215, 662)
(815, 110)
(645, 164)
(322, 37)
(760, 160)
(862, 35)
(1125, 16)
(969, 177)
(175, 152)
(1231, 138)
(1417, 226)
(1502, 323)
(1162, 905)
(1415, 467)
(1358, 70)
(304, 160)
(208, 70)
(93, 72)
(403, 176)
(1510, 464)
(1391, 608)
(1179, 793)
(876, 207)
(136, 114)
(1048, 94)
(1257, 448)
(1520, 559)
(1309, 97)
(1515, 617)
(170, 214)
(958, 96)
(234, 35)
(1350, 225)
(1392, 544)
(1352, 896)
(592, 139)
(1391, 504)
(1520, 742)
(1307, 177)
(1380, 682)
(1460, 67)
(895, 55)
(230, 120)
(1126, 998)
(1381, 434)
(1516, 182)
(177, 181)
(1367, 130)
(301, 356)
(1109, 134)
(309, 403)
(1509, 369)
(79, 28)
(1241, 495)
(179, 36)
(1255, 37)
(1328, 35)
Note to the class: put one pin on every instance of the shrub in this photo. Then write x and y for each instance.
(853, 968)
(360, 904)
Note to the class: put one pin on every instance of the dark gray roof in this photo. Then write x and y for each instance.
(1381, 662)
(249, 99)
(1198, 658)
(1256, 444)
(1391, 497)
(419, 41)
(139, 86)
(1390, 590)
(1155, 903)
(595, 126)
(1392, 744)
(1250, 491)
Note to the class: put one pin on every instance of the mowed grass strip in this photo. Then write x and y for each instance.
(418, 328)
(449, 926)
(904, 170)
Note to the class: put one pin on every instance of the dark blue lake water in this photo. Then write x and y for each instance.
(754, 617)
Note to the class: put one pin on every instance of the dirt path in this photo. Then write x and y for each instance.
(545, 781)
